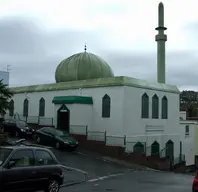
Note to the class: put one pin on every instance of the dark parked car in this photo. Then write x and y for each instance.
(56, 138)
(17, 128)
(25, 168)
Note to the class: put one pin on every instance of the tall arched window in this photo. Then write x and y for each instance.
(25, 107)
(106, 106)
(164, 108)
(155, 107)
(145, 106)
(11, 108)
(42, 107)
(155, 148)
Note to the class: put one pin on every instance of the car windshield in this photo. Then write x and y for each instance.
(4, 153)
(21, 123)
(61, 133)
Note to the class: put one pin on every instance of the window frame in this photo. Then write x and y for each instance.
(187, 130)
(145, 106)
(36, 160)
(21, 150)
(155, 107)
(106, 106)
(164, 108)
(42, 107)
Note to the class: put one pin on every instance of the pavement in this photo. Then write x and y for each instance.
(138, 182)
(107, 174)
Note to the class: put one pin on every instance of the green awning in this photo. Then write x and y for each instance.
(72, 100)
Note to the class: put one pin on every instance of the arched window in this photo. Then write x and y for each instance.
(42, 107)
(170, 149)
(155, 148)
(145, 106)
(155, 107)
(25, 107)
(106, 106)
(11, 108)
(164, 108)
(138, 148)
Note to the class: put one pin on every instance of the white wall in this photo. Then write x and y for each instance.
(125, 116)
(80, 114)
(149, 130)
(188, 143)
(113, 124)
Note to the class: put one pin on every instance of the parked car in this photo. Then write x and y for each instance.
(56, 138)
(195, 183)
(25, 168)
(17, 128)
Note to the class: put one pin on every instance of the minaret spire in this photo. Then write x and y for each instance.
(161, 38)
(85, 47)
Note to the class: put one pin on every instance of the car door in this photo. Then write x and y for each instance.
(48, 137)
(44, 167)
(20, 176)
(6, 125)
(12, 126)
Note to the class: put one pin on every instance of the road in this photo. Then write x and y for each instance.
(138, 181)
(107, 176)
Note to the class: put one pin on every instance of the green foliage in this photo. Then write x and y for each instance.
(5, 95)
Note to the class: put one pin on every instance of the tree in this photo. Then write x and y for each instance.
(5, 95)
(189, 103)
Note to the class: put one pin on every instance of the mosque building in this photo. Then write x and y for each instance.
(87, 93)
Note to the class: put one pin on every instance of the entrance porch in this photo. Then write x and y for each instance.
(72, 110)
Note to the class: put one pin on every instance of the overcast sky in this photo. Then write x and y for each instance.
(36, 35)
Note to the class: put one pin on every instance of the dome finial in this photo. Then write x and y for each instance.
(85, 47)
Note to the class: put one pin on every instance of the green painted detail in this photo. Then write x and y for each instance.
(170, 149)
(139, 148)
(82, 66)
(155, 148)
(94, 83)
(72, 99)
(62, 121)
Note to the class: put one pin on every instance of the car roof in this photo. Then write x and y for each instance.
(24, 147)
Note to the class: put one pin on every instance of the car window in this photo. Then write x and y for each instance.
(23, 158)
(43, 158)
(7, 121)
(50, 131)
(11, 121)
(61, 133)
(21, 123)
(4, 153)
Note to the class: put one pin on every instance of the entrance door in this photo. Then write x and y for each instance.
(63, 118)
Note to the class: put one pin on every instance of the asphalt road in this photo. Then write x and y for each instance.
(138, 182)
(106, 176)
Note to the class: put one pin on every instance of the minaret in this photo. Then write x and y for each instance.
(161, 38)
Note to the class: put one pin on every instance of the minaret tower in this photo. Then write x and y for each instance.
(161, 38)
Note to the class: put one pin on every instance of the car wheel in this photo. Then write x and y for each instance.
(53, 186)
(38, 139)
(57, 145)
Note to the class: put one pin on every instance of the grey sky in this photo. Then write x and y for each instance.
(34, 41)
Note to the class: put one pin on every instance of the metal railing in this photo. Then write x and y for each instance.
(35, 119)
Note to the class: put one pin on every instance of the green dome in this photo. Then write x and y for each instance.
(82, 66)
